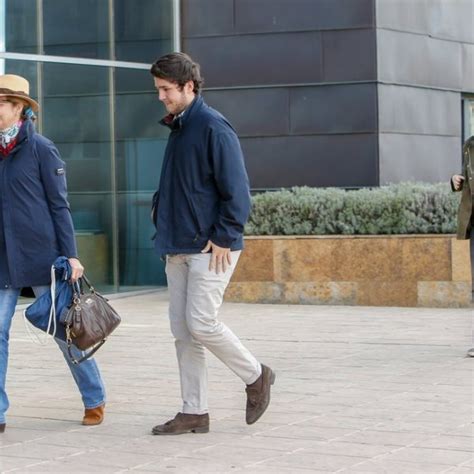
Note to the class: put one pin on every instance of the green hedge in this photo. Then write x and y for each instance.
(407, 208)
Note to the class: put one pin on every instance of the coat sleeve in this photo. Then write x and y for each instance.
(53, 177)
(233, 187)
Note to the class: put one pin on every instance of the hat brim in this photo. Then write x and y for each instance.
(32, 103)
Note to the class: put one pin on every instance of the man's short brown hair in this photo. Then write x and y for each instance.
(178, 68)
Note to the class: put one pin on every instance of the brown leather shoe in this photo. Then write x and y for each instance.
(258, 395)
(2, 427)
(93, 416)
(183, 423)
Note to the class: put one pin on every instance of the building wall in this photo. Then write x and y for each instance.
(425, 51)
(298, 81)
(338, 93)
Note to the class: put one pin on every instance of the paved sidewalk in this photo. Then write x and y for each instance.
(357, 390)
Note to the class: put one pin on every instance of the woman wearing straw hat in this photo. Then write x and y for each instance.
(35, 228)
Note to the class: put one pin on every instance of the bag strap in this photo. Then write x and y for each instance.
(86, 355)
(52, 316)
(88, 283)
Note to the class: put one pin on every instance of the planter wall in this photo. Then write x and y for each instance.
(402, 270)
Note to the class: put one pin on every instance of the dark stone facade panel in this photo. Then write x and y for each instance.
(258, 59)
(410, 59)
(330, 160)
(349, 55)
(468, 68)
(418, 110)
(426, 158)
(443, 19)
(253, 112)
(207, 17)
(333, 109)
(253, 16)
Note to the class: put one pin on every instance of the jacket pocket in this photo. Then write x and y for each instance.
(196, 214)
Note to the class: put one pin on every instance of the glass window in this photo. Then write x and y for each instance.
(27, 69)
(103, 120)
(76, 28)
(76, 102)
(21, 26)
(139, 263)
(143, 30)
(140, 144)
(143, 34)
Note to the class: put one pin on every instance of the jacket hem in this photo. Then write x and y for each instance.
(174, 251)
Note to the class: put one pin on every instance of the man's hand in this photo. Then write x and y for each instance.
(457, 180)
(77, 269)
(221, 257)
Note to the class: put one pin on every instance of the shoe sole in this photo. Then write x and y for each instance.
(272, 381)
(194, 430)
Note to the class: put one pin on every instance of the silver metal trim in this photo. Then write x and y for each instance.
(2, 34)
(39, 65)
(71, 60)
(113, 155)
(176, 25)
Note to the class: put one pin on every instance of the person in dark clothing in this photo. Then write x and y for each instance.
(463, 183)
(199, 211)
(35, 228)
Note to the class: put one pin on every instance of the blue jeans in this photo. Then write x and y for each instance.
(86, 375)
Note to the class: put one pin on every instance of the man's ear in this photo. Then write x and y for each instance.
(189, 87)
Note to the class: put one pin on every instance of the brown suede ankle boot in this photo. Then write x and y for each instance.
(2, 427)
(93, 416)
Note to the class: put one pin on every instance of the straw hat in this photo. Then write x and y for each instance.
(17, 86)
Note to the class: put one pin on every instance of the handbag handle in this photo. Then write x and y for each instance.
(86, 355)
(88, 283)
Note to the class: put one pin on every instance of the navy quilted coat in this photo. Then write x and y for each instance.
(35, 220)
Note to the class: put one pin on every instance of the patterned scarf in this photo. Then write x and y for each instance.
(8, 138)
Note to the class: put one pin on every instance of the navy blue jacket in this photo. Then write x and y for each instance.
(204, 189)
(35, 220)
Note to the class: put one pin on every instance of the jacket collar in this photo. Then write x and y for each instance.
(25, 133)
(177, 122)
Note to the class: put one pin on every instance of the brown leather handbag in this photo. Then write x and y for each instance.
(89, 321)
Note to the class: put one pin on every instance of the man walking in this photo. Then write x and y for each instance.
(463, 182)
(199, 211)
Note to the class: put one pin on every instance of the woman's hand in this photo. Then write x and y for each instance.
(457, 181)
(77, 269)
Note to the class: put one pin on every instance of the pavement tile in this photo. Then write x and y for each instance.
(461, 443)
(435, 456)
(358, 390)
(185, 465)
(392, 467)
(308, 459)
(460, 470)
(7, 463)
(389, 438)
(39, 451)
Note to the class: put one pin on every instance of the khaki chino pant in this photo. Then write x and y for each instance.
(196, 295)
